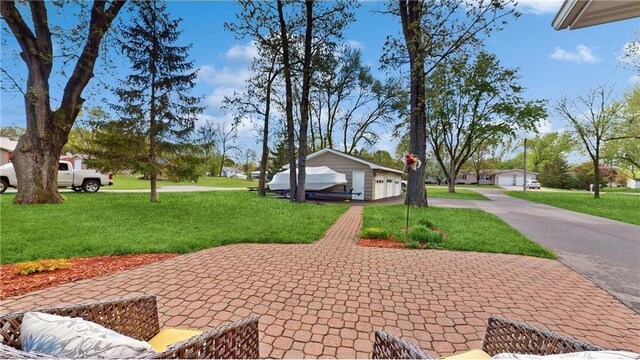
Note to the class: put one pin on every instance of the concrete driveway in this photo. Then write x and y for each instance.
(606, 251)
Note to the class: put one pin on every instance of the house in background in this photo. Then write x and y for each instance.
(228, 171)
(633, 183)
(368, 179)
(7, 147)
(511, 177)
(76, 159)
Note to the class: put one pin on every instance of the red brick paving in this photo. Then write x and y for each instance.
(325, 299)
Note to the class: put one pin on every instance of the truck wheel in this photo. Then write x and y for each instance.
(4, 186)
(91, 186)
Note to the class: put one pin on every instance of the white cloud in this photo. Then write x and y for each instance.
(539, 6)
(242, 53)
(582, 54)
(355, 44)
(635, 79)
(225, 76)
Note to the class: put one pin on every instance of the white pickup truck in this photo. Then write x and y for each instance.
(77, 180)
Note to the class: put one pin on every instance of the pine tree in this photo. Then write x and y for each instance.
(279, 157)
(555, 173)
(155, 99)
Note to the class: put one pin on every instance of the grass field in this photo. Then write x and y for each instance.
(621, 207)
(620, 190)
(133, 182)
(466, 229)
(110, 223)
(464, 194)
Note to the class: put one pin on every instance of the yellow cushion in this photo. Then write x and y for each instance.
(169, 336)
(471, 354)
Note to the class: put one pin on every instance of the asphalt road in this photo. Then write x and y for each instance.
(606, 251)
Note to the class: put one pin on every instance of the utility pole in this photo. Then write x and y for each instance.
(524, 167)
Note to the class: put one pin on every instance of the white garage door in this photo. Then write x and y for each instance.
(390, 185)
(379, 188)
(505, 180)
(398, 186)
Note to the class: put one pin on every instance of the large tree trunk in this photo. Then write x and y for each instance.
(37, 171)
(38, 151)
(304, 105)
(284, 36)
(410, 17)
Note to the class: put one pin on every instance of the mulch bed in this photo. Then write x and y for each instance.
(381, 243)
(13, 284)
(393, 243)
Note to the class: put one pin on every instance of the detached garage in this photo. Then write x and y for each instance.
(513, 177)
(373, 181)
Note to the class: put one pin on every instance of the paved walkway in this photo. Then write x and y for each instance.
(327, 298)
(606, 251)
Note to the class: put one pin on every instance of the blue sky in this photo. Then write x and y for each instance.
(552, 63)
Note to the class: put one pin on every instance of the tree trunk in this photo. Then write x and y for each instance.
(36, 171)
(288, 103)
(262, 191)
(596, 175)
(452, 178)
(304, 104)
(221, 163)
(410, 17)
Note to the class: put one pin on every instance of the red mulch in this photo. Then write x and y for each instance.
(392, 243)
(381, 243)
(12, 284)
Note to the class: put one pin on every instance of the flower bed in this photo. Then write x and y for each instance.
(79, 268)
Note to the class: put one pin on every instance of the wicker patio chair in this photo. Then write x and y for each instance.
(138, 318)
(502, 336)
(387, 346)
(508, 336)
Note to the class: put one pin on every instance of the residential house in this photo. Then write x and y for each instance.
(228, 171)
(511, 177)
(7, 147)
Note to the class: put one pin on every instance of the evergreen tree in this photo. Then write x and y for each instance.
(555, 173)
(279, 157)
(155, 99)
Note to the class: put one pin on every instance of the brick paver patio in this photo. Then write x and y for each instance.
(327, 298)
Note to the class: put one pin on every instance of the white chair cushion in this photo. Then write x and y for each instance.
(74, 338)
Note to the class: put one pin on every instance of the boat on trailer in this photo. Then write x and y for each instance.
(317, 179)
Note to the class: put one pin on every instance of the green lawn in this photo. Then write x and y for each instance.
(112, 223)
(620, 190)
(621, 207)
(466, 229)
(442, 192)
(132, 182)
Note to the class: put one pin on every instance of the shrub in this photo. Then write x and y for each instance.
(31, 267)
(425, 235)
(373, 233)
(413, 245)
(427, 223)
